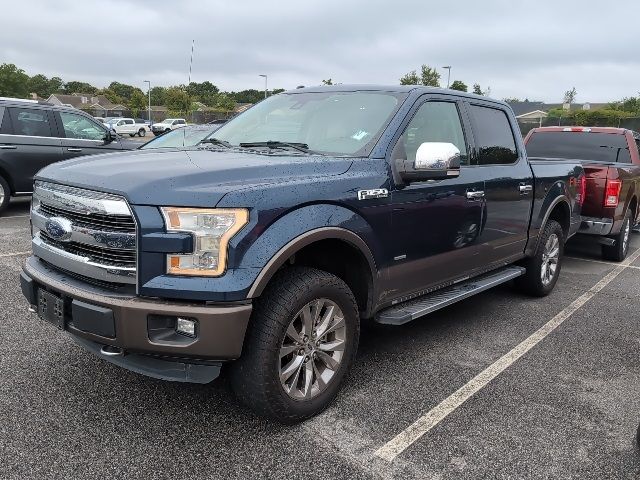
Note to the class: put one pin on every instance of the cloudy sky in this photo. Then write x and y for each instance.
(535, 50)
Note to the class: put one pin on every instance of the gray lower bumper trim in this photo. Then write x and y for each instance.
(173, 371)
(596, 226)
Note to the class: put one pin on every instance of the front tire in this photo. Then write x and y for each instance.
(5, 194)
(142, 132)
(300, 345)
(618, 252)
(543, 269)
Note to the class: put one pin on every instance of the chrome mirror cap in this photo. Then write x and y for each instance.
(437, 156)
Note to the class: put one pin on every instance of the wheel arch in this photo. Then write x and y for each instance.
(301, 250)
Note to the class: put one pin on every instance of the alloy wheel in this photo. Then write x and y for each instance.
(625, 236)
(550, 259)
(2, 194)
(312, 349)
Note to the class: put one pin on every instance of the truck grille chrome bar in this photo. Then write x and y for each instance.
(88, 233)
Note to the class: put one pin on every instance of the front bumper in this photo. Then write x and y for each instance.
(596, 226)
(141, 328)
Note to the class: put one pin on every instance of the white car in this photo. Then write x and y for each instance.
(129, 126)
(168, 125)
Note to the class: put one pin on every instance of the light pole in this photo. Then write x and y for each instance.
(448, 69)
(265, 84)
(149, 92)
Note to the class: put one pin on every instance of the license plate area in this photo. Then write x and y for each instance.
(51, 308)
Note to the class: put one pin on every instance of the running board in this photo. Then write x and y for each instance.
(412, 309)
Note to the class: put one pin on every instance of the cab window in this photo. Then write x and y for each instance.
(433, 122)
(494, 138)
(78, 126)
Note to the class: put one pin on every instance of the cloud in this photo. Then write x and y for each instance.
(519, 49)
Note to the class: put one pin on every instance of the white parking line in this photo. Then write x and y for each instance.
(602, 262)
(14, 216)
(413, 432)
(14, 254)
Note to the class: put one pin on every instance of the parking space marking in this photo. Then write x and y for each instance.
(14, 216)
(602, 262)
(14, 254)
(415, 431)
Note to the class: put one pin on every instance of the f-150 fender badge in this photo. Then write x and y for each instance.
(373, 193)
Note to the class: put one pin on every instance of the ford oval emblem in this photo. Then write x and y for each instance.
(59, 228)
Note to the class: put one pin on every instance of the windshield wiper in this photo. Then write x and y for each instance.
(216, 141)
(301, 147)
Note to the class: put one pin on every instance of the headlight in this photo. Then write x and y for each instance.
(211, 229)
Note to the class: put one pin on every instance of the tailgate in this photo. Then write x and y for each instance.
(596, 181)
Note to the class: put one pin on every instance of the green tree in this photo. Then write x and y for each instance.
(78, 87)
(327, 82)
(43, 86)
(410, 78)
(224, 102)
(429, 76)
(570, 96)
(13, 81)
(458, 85)
(276, 91)
(477, 90)
(201, 91)
(247, 96)
(138, 102)
(158, 96)
(512, 100)
(123, 91)
(178, 102)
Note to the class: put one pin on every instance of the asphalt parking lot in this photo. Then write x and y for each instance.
(567, 407)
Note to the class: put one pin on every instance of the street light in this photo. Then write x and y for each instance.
(149, 111)
(265, 84)
(448, 68)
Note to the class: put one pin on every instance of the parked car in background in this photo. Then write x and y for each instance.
(99, 119)
(265, 248)
(167, 125)
(36, 134)
(128, 126)
(611, 162)
(183, 137)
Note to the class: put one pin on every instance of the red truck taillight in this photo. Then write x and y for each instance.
(612, 193)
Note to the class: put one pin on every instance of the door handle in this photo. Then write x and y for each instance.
(74, 149)
(525, 188)
(475, 194)
(8, 147)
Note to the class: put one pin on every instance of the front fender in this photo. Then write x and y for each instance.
(255, 259)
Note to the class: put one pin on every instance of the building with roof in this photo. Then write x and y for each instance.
(96, 105)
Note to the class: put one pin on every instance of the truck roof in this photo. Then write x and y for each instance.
(392, 88)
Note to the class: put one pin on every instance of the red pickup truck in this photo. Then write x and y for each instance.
(612, 166)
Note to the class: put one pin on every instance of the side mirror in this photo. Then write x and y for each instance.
(110, 136)
(434, 160)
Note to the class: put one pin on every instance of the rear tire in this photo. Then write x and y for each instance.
(619, 251)
(543, 269)
(132, 135)
(283, 374)
(5, 194)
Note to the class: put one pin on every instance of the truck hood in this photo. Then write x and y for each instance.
(197, 178)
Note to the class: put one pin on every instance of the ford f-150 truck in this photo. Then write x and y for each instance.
(264, 248)
(612, 166)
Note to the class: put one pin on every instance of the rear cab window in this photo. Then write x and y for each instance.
(495, 143)
(592, 146)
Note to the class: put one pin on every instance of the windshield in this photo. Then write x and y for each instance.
(182, 137)
(167, 120)
(339, 123)
(597, 147)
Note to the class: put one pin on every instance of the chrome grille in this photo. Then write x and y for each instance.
(87, 233)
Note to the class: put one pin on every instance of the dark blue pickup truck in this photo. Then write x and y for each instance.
(264, 249)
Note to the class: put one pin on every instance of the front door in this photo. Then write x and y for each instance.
(83, 136)
(508, 184)
(435, 223)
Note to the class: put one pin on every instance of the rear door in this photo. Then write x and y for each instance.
(83, 135)
(508, 183)
(28, 143)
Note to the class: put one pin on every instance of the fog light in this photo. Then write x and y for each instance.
(186, 326)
